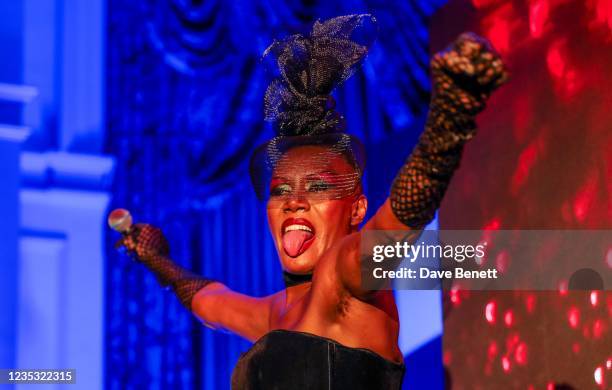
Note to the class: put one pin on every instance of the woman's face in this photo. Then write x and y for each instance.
(312, 205)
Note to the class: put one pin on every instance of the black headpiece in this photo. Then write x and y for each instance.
(299, 101)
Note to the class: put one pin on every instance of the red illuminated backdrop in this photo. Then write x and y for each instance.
(542, 160)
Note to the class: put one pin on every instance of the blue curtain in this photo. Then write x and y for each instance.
(184, 111)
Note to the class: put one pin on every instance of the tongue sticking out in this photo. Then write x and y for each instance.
(293, 242)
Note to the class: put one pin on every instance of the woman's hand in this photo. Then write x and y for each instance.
(146, 241)
(467, 72)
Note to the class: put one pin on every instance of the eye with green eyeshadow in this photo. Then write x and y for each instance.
(280, 189)
(319, 185)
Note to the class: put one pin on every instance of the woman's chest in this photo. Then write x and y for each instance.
(292, 309)
(349, 322)
(303, 308)
(316, 310)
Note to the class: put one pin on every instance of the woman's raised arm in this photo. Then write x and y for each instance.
(463, 77)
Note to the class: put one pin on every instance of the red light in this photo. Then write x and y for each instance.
(567, 80)
(509, 318)
(563, 288)
(538, 15)
(520, 355)
(526, 161)
(598, 329)
(585, 198)
(493, 224)
(491, 312)
(598, 375)
(530, 303)
(499, 34)
(506, 364)
(492, 351)
(573, 316)
(555, 62)
(454, 296)
(603, 9)
(482, 3)
(447, 357)
(594, 298)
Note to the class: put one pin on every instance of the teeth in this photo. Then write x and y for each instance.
(298, 227)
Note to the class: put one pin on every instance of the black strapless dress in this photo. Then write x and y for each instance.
(289, 360)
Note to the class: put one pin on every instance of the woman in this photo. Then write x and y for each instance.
(325, 330)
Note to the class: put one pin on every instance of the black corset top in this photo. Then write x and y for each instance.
(289, 360)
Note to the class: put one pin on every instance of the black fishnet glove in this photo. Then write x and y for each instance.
(464, 76)
(151, 248)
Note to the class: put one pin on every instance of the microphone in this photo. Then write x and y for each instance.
(120, 220)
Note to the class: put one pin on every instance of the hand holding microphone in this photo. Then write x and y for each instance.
(152, 249)
(144, 240)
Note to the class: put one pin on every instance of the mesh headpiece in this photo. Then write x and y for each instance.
(300, 104)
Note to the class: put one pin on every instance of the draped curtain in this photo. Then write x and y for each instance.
(184, 111)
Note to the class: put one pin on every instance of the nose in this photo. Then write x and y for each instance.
(296, 203)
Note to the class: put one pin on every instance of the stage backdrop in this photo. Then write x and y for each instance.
(542, 160)
(184, 110)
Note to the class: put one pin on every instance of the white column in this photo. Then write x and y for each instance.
(61, 316)
(83, 67)
(11, 138)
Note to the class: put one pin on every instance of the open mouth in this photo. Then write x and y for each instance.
(297, 236)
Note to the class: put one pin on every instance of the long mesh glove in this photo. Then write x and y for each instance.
(464, 76)
(151, 248)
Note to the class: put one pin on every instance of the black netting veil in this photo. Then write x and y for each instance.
(298, 170)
